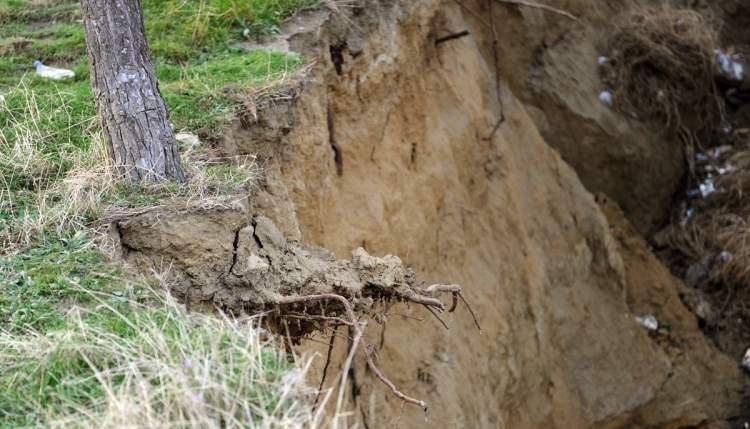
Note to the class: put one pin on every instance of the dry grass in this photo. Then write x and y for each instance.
(662, 68)
(128, 366)
(69, 188)
(721, 223)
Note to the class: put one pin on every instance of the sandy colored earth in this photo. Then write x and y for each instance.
(386, 149)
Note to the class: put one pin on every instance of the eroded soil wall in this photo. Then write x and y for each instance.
(508, 219)
(388, 150)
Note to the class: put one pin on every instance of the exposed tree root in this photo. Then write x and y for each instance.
(416, 295)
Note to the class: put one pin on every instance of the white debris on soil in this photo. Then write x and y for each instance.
(649, 321)
(745, 364)
(606, 98)
(190, 140)
(707, 187)
(728, 68)
(601, 60)
(52, 72)
(725, 256)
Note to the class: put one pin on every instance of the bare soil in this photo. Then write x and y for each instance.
(386, 148)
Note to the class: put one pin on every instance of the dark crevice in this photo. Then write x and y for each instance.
(255, 235)
(338, 157)
(126, 250)
(235, 245)
(337, 56)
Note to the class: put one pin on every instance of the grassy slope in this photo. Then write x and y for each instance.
(54, 180)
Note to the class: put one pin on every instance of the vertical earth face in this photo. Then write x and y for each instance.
(134, 116)
(557, 275)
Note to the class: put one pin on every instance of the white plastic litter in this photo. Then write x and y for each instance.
(606, 98)
(725, 256)
(601, 60)
(648, 321)
(724, 170)
(52, 72)
(707, 187)
(746, 361)
(729, 68)
(689, 212)
(701, 157)
(189, 140)
(727, 129)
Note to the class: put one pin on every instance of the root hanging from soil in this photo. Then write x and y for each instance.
(301, 290)
(348, 317)
(661, 68)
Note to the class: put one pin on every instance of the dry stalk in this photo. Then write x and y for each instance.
(325, 368)
(539, 6)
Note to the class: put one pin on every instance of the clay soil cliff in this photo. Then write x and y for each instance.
(388, 147)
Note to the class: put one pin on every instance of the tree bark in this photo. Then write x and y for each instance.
(133, 114)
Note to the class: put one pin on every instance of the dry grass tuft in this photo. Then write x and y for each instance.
(127, 366)
(662, 68)
(721, 223)
(69, 188)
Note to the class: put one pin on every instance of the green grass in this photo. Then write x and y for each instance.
(198, 94)
(75, 338)
(55, 270)
(155, 366)
(194, 30)
(50, 125)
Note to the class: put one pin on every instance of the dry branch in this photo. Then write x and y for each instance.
(365, 349)
(325, 368)
(539, 6)
(451, 37)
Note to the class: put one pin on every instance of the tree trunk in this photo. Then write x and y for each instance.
(134, 116)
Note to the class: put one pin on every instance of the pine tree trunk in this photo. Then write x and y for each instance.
(134, 117)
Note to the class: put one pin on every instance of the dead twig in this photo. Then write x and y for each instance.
(472, 13)
(404, 315)
(451, 37)
(454, 304)
(437, 317)
(539, 6)
(325, 368)
(365, 349)
(476, 321)
(401, 413)
(496, 55)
